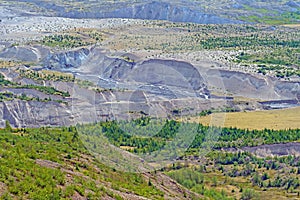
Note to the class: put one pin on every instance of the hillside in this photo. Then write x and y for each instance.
(49, 163)
(143, 99)
(69, 71)
(83, 162)
(206, 12)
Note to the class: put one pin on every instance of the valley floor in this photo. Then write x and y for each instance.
(254, 120)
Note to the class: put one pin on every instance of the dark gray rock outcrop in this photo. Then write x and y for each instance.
(168, 78)
(25, 53)
(153, 10)
(19, 53)
(157, 10)
(293, 4)
(32, 113)
(252, 86)
(69, 59)
(288, 89)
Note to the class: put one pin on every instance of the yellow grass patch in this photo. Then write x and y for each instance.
(127, 148)
(5, 64)
(270, 119)
(55, 73)
(292, 25)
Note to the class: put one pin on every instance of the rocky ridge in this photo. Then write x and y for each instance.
(155, 87)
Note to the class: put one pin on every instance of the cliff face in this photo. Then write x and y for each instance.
(200, 11)
(165, 11)
(253, 86)
(169, 78)
(25, 53)
(154, 10)
(88, 107)
(148, 88)
(163, 77)
(152, 88)
(32, 113)
(70, 59)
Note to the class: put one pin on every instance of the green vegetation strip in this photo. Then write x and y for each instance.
(274, 19)
(35, 162)
(145, 137)
(64, 41)
(44, 89)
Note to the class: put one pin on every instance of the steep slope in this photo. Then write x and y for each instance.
(48, 163)
(129, 89)
(201, 11)
(150, 76)
(252, 86)
(169, 78)
(154, 10)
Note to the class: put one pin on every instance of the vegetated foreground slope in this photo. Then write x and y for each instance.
(57, 163)
(47, 163)
(254, 120)
(209, 164)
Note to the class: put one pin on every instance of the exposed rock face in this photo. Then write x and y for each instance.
(166, 11)
(293, 4)
(154, 87)
(28, 114)
(19, 53)
(70, 59)
(25, 53)
(175, 75)
(270, 150)
(253, 86)
(275, 149)
(288, 89)
(154, 10)
(168, 78)
(91, 107)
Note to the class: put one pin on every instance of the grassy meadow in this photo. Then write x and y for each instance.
(254, 120)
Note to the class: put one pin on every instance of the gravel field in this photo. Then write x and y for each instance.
(25, 29)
